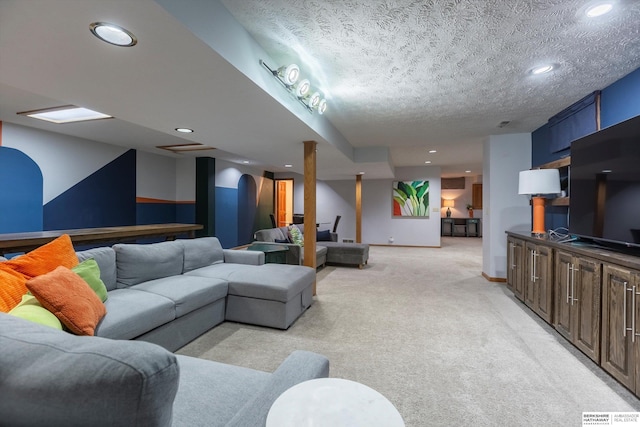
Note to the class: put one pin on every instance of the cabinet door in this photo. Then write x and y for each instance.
(563, 320)
(544, 282)
(586, 305)
(515, 267)
(617, 356)
(530, 276)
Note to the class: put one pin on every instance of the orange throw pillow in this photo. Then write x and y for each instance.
(70, 299)
(15, 272)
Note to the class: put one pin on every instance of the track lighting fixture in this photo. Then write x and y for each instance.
(288, 76)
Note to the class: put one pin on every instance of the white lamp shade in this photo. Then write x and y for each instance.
(539, 181)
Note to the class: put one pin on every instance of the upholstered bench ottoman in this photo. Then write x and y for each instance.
(273, 295)
(347, 253)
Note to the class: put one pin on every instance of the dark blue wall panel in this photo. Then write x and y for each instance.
(186, 213)
(155, 213)
(105, 198)
(247, 209)
(227, 216)
(20, 192)
(621, 100)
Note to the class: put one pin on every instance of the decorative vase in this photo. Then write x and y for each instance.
(470, 213)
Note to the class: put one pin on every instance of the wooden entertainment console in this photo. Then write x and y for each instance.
(590, 295)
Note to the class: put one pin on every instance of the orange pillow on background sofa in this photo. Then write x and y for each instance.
(15, 272)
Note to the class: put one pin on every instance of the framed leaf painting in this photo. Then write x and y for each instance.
(411, 199)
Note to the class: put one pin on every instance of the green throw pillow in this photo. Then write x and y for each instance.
(90, 273)
(296, 235)
(30, 309)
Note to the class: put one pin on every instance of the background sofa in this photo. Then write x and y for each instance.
(50, 377)
(328, 249)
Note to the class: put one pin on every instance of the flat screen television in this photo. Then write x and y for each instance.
(604, 185)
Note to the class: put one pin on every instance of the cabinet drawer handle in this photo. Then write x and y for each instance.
(633, 314)
(573, 285)
(624, 310)
(568, 284)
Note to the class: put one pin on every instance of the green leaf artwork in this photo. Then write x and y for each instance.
(411, 198)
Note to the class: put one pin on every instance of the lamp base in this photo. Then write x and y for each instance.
(538, 215)
(448, 213)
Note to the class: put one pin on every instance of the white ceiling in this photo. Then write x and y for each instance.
(409, 75)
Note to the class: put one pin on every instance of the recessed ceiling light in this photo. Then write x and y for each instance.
(606, 171)
(246, 162)
(288, 166)
(427, 162)
(467, 171)
(184, 130)
(432, 151)
(599, 10)
(65, 114)
(113, 34)
(543, 69)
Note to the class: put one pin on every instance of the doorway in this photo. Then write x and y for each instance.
(284, 202)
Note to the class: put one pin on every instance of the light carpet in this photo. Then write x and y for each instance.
(444, 345)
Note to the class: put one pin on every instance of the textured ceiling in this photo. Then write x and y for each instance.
(444, 73)
(409, 75)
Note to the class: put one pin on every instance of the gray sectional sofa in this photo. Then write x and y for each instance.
(172, 292)
(327, 251)
(52, 378)
(166, 294)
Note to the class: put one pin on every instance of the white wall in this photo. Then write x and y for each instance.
(378, 225)
(155, 176)
(186, 180)
(503, 209)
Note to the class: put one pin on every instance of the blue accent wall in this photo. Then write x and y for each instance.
(155, 213)
(621, 100)
(105, 198)
(20, 192)
(186, 213)
(227, 216)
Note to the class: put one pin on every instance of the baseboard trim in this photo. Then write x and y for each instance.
(494, 279)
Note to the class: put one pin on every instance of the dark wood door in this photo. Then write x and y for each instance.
(544, 282)
(617, 355)
(563, 319)
(586, 305)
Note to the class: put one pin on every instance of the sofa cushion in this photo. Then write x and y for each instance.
(271, 234)
(139, 263)
(211, 393)
(90, 273)
(69, 298)
(221, 271)
(50, 377)
(106, 259)
(187, 292)
(278, 282)
(132, 313)
(15, 272)
(31, 309)
(201, 252)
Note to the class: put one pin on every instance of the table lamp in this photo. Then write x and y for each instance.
(448, 203)
(537, 183)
